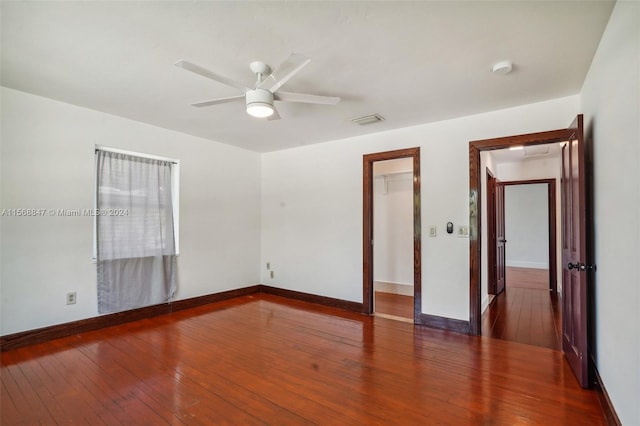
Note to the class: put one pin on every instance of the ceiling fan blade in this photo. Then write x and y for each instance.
(218, 101)
(275, 115)
(303, 97)
(210, 74)
(284, 72)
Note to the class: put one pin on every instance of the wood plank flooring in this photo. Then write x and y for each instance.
(527, 278)
(526, 312)
(262, 359)
(394, 304)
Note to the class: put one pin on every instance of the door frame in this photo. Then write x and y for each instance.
(367, 227)
(552, 219)
(500, 249)
(475, 208)
(492, 285)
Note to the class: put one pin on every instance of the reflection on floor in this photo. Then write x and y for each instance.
(395, 305)
(263, 359)
(526, 312)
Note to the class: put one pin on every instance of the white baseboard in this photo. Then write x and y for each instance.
(395, 288)
(525, 264)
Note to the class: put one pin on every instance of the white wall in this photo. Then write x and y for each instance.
(526, 215)
(393, 221)
(47, 162)
(610, 100)
(312, 204)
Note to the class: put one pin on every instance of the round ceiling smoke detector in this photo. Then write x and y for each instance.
(503, 67)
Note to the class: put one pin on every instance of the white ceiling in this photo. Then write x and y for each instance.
(411, 62)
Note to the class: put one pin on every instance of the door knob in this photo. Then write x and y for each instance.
(581, 266)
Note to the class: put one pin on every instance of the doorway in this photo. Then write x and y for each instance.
(529, 309)
(577, 266)
(393, 239)
(532, 217)
(370, 238)
(533, 202)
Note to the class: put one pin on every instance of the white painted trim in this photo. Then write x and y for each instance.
(95, 207)
(136, 154)
(485, 304)
(175, 201)
(394, 288)
(525, 264)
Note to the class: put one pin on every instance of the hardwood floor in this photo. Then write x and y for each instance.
(262, 359)
(527, 278)
(394, 304)
(526, 312)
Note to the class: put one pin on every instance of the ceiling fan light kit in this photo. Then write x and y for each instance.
(259, 100)
(259, 103)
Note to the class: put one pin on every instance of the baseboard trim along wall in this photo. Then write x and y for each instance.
(443, 323)
(610, 415)
(394, 288)
(527, 264)
(39, 335)
(313, 298)
(30, 337)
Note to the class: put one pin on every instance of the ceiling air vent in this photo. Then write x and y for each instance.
(368, 119)
(536, 150)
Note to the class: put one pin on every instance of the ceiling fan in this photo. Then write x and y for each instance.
(259, 100)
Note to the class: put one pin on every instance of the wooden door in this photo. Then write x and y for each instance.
(574, 263)
(501, 267)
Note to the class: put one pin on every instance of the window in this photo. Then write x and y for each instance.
(175, 193)
(135, 229)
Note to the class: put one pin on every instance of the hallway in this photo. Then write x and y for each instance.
(526, 312)
(396, 306)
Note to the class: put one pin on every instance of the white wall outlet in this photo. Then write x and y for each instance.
(433, 230)
(71, 298)
(463, 231)
(268, 265)
(272, 275)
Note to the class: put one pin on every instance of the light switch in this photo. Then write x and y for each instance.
(463, 231)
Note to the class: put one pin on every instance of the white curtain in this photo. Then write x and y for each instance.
(136, 255)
